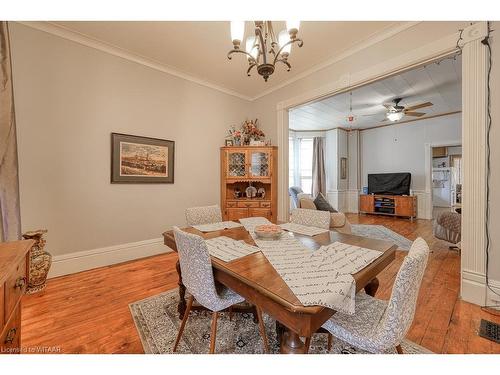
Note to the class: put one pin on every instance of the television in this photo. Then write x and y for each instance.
(389, 183)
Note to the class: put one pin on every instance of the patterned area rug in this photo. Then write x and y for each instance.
(157, 322)
(380, 232)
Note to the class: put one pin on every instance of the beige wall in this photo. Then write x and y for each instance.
(69, 98)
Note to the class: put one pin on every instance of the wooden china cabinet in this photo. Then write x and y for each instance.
(244, 166)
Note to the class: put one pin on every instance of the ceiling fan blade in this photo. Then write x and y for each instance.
(388, 105)
(415, 114)
(426, 104)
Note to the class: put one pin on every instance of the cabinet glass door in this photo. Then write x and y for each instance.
(260, 164)
(236, 164)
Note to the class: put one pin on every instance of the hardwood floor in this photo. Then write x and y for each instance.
(88, 312)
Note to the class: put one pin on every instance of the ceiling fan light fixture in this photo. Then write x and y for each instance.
(395, 116)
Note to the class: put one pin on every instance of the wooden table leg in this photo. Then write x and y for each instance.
(292, 344)
(181, 307)
(280, 329)
(372, 287)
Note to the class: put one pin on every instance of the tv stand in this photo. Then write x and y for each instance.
(392, 205)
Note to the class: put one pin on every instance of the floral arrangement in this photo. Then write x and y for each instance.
(251, 130)
(248, 132)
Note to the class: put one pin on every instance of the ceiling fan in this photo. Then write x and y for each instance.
(396, 112)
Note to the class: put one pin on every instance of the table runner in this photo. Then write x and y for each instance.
(316, 277)
(303, 229)
(227, 249)
(221, 225)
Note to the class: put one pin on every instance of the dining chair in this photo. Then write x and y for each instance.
(203, 215)
(311, 218)
(379, 325)
(198, 278)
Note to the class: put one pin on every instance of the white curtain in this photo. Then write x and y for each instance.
(10, 228)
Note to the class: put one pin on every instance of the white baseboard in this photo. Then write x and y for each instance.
(474, 289)
(85, 260)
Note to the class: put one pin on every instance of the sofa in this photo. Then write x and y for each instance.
(338, 220)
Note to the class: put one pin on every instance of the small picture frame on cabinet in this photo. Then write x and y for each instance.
(229, 143)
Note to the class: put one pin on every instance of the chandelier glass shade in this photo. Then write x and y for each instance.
(264, 49)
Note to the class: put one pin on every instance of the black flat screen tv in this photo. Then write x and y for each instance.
(389, 183)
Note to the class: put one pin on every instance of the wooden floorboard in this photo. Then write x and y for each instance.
(88, 312)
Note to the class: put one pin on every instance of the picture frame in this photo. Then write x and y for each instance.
(343, 168)
(141, 160)
(229, 143)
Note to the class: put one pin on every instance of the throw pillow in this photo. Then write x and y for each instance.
(322, 204)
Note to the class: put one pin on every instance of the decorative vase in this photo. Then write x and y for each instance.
(236, 141)
(39, 262)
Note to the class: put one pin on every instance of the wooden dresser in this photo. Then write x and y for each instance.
(246, 166)
(13, 271)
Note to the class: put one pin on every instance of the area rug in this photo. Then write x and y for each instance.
(157, 322)
(380, 232)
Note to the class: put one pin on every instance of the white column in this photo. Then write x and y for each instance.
(283, 198)
(474, 121)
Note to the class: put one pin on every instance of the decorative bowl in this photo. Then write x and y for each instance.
(268, 231)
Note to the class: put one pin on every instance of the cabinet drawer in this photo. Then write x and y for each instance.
(14, 287)
(248, 204)
(232, 204)
(265, 204)
(234, 214)
(264, 212)
(11, 335)
(2, 318)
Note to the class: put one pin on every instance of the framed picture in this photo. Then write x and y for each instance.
(343, 168)
(139, 160)
(229, 142)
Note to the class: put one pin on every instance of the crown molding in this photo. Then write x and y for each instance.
(111, 49)
(370, 41)
(88, 41)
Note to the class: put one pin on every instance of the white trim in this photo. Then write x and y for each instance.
(85, 260)
(338, 199)
(374, 39)
(423, 197)
(474, 123)
(474, 291)
(88, 41)
(352, 201)
(66, 33)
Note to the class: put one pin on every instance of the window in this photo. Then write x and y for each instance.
(305, 164)
(300, 162)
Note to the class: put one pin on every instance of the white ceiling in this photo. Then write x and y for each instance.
(439, 84)
(199, 49)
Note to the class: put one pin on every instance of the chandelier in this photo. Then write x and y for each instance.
(264, 50)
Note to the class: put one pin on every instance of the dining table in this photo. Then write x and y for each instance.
(255, 279)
